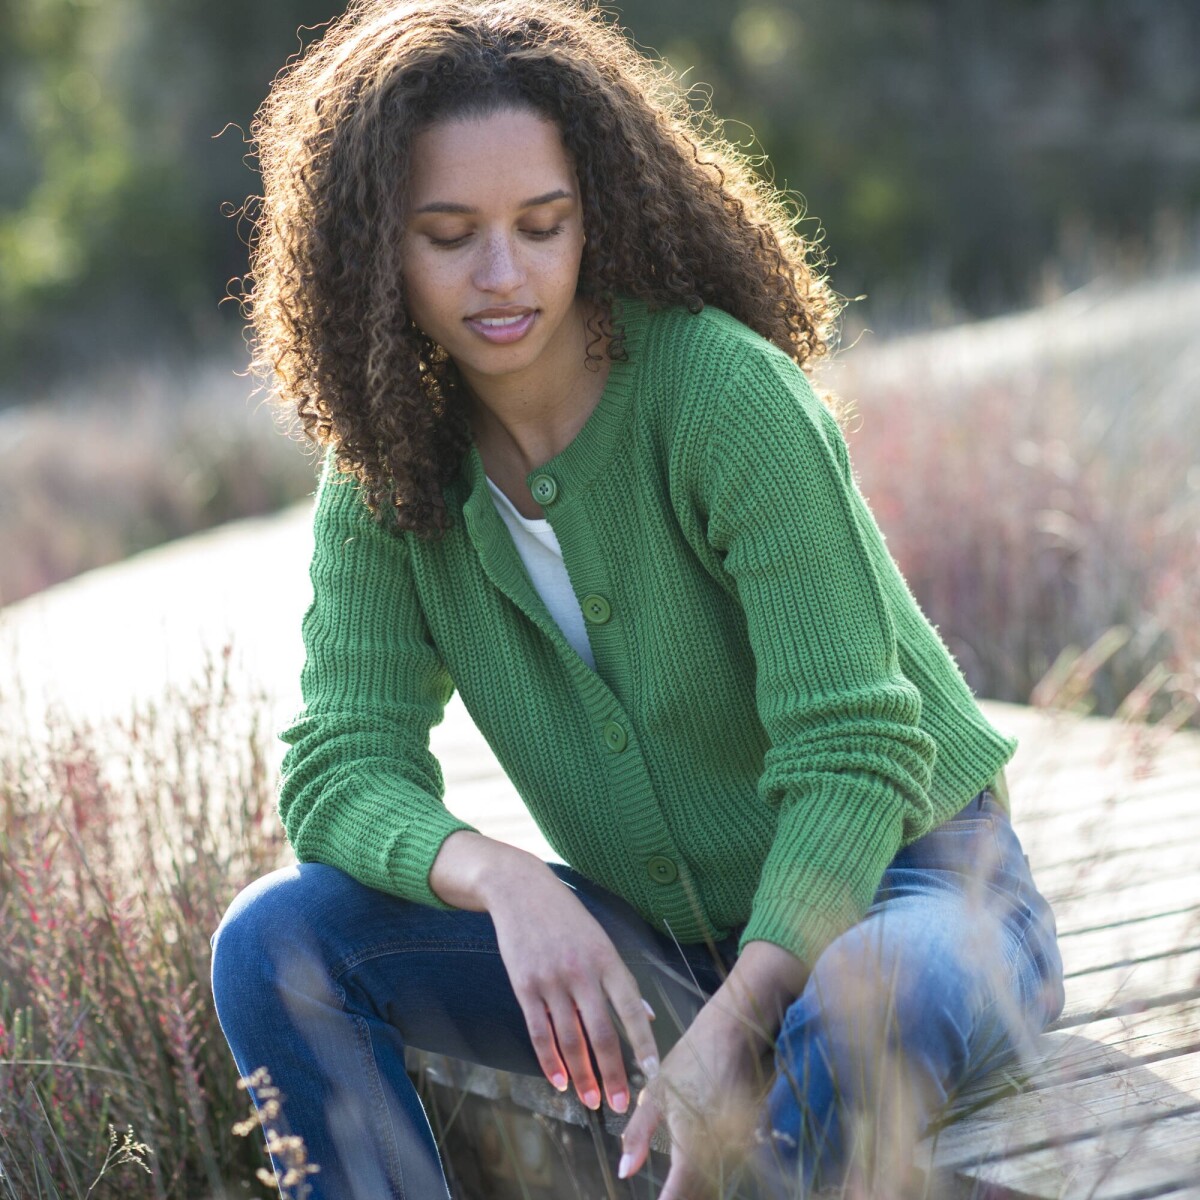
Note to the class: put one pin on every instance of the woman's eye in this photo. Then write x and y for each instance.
(539, 234)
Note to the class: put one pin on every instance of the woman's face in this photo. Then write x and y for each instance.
(493, 244)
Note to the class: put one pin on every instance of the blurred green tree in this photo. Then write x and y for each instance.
(949, 151)
(122, 141)
(953, 151)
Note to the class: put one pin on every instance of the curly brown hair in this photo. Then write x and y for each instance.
(673, 214)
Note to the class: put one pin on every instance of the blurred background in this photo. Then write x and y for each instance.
(1009, 191)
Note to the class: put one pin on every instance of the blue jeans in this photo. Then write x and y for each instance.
(953, 971)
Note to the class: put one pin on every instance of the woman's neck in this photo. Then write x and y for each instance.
(530, 436)
(524, 422)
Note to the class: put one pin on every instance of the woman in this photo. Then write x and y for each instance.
(550, 328)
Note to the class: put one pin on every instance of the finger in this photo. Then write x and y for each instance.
(541, 1034)
(633, 1015)
(682, 1183)
(572, 1046)
(606, 1045)
(635, 1141)
(671, 1186)
(693, 1171)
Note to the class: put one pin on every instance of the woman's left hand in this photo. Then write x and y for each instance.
(709, 1089)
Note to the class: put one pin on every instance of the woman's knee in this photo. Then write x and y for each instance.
(873, 1028)
(265, 926)
(909, 989)
(879, 1010)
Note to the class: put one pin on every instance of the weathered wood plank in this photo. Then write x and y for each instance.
(1099, 1047)
(1112, 1165)
(1053, 748)
(1152, 842)
(1119, 989)
(1117, 828)
(1171, 859)
(1086, 1108)
(1086, 789)
(1126, 903)
(1133, 942)
(1112, 1043)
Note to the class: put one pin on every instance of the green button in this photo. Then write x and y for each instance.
(596, 609)
(662, 869)
(615, 737)
(544, 489)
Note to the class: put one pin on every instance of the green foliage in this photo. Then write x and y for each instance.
(945, 148)
(111, 223)
(949, 150)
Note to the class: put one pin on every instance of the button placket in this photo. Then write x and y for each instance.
(597, 609)
(667, 895)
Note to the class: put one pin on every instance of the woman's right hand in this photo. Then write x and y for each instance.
(563, 966)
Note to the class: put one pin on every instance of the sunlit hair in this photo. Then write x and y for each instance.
(673, 214)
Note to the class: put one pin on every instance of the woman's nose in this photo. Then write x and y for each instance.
(499, 268)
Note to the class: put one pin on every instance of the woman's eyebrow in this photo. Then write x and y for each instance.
(444, 206)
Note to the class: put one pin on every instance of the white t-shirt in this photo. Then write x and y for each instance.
(542, 556)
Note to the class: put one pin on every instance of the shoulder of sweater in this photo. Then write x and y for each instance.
(700, 340)
(697, 363)
(707, 362)
(711, 354)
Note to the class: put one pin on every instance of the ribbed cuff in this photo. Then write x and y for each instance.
(387, 835)
(829, 854)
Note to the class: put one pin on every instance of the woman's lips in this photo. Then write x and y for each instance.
(508, 330)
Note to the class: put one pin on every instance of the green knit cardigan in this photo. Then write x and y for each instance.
(771, 716)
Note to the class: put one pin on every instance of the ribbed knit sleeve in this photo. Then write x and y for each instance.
(360, 789)
(847, 766)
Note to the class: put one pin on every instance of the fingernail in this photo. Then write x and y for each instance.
(650, 1066)
(620, 1102)
(624, 1165)
(559, 1081)
(649, 1009)
(591, 1098)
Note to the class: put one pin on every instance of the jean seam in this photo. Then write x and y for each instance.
(408, 946)
(383, 1120)
(1014, 989)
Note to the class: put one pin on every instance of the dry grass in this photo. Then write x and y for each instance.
(119, 850)
(1038, 481)
(96, 474)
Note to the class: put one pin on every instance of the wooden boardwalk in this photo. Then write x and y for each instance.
(1111, 1103)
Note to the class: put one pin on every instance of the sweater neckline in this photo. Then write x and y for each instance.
(535, 524)
(585, 457)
